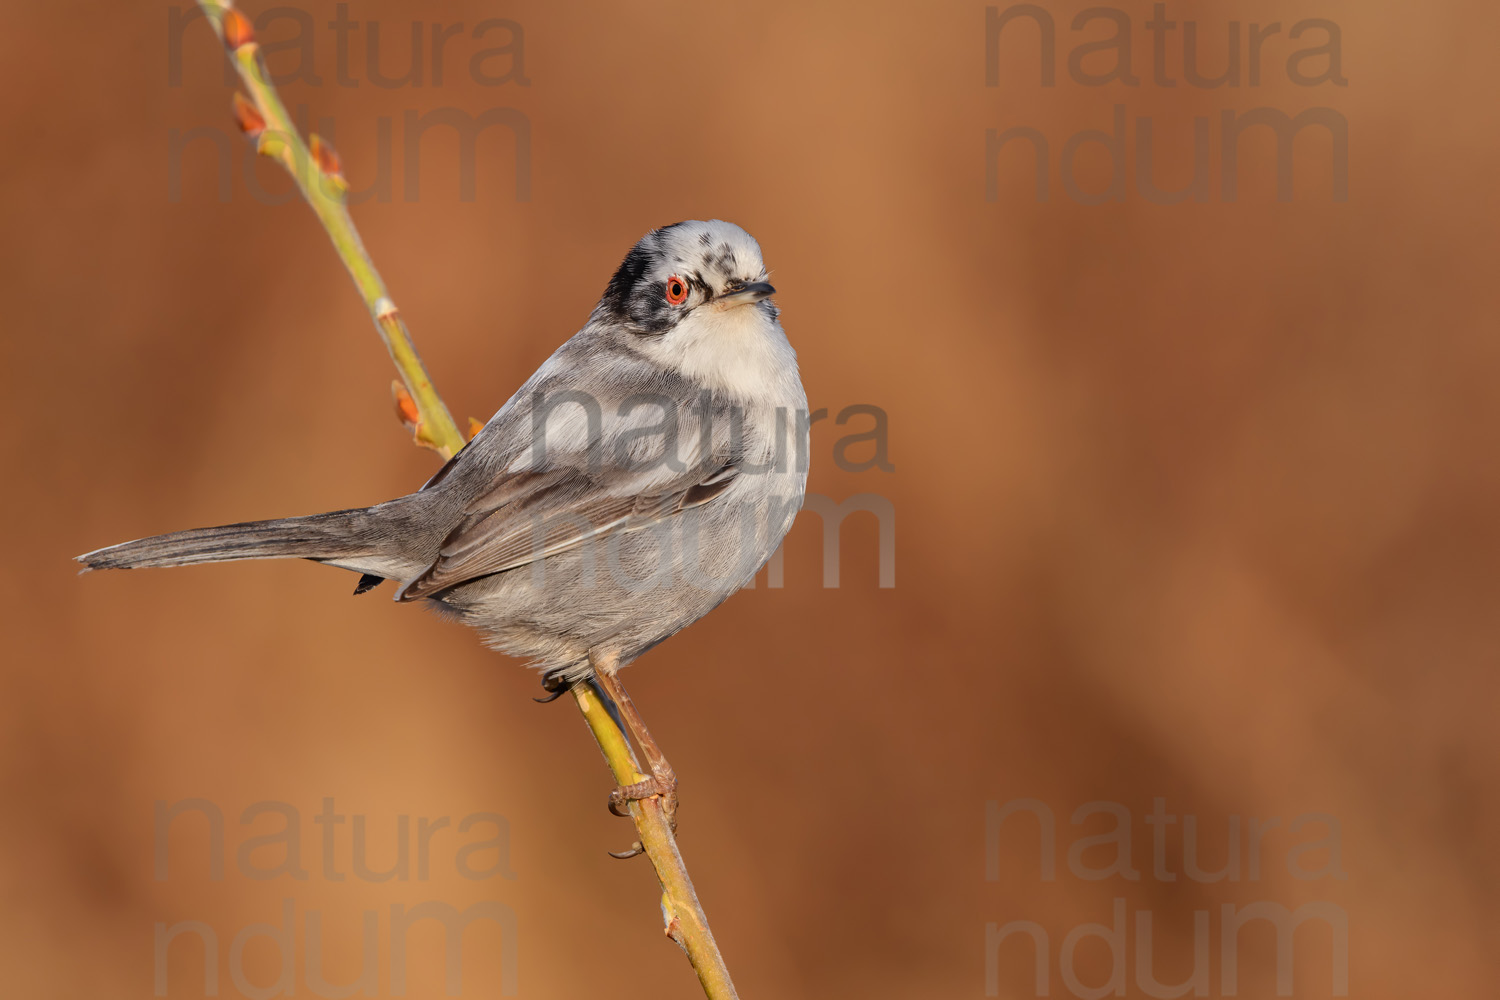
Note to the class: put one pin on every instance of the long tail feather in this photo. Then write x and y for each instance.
(339, 535)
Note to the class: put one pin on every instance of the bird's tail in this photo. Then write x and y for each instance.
(348, 538)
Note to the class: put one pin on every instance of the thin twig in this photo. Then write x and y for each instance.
(318, 175)
(681, 912)
(315, 168)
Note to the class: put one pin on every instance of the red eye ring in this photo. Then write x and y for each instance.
(677, 290)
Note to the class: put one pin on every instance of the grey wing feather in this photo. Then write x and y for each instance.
(528, 516)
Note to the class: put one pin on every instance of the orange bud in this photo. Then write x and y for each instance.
(406, 407)
(474, 428)
(238, 31)
(247, 116)
(326, 157)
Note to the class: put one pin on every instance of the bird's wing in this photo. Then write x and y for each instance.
(530, 515)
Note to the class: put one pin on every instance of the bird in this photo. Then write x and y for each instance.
(641, 476)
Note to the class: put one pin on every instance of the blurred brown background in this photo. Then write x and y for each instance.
(1194, 502)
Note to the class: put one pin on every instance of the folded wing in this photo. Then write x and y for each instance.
(531, 515)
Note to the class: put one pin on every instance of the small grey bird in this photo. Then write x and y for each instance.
(642, 475)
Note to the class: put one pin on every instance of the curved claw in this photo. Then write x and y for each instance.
(635, 850)
(555, 687)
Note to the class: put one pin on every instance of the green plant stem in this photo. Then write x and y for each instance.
(325, 191)
(327, 197)
(681, 912)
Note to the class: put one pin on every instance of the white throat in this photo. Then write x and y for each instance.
(738, 350)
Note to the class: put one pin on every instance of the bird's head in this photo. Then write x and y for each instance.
(686, 274)
(693, 299)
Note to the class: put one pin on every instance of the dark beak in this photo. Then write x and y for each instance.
(753, 292)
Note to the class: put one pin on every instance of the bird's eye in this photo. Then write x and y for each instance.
(677, 290)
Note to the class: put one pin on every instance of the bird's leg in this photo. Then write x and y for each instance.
(663, 780)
